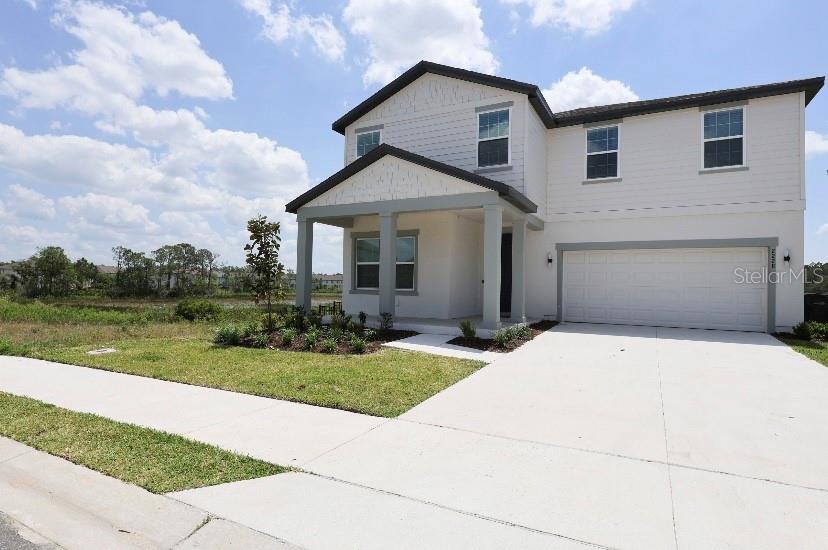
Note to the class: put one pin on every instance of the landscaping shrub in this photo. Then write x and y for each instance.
(467, 328)
(251, 329)
(363, 318)
(503, 337)
(803, 330)
(260, 340)
(197, 310)
(819, 331)
(522, 332)
(811, 330)
(288, 336)
(386, 321)
(338, 320)
(329, 345)
(354, 327)
(336, 333)
(311, 337)
(229, 334)
(369, 334)
(314, 319)
(357, 345)
(296, 319)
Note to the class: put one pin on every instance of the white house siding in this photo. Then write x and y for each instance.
(435, 116)
(660, 158)
(391, 178)
(535, 169)
(448, 267)
(786, 225)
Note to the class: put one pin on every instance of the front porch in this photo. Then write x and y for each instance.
(422, 240)
(429, 267)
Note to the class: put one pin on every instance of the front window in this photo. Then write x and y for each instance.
(724, 138)
(602, 152)
(366, 141)
(367, 263)
(493, 138)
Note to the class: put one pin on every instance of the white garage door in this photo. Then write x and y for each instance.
(687, 287)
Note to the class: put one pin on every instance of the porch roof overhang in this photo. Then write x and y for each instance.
(506, 192)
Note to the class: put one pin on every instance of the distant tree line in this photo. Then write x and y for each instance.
(172, 270)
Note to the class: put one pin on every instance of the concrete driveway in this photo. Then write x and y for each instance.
(619, 437)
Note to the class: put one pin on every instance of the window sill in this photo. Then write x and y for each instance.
(600, 180)
(723, 169)
(370, 291)
(489, 169)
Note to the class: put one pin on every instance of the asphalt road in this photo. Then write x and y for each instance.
(11, 539)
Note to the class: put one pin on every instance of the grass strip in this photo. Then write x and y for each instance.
(157, 461)
(386, 383)
(818, 351)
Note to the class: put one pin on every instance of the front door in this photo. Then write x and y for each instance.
(506, 275)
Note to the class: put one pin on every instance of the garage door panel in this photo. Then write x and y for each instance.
(693, 288)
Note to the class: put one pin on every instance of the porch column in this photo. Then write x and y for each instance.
(492, 236)
(388, 261)
(304, 264)
(519, 271)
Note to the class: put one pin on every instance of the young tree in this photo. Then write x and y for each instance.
(262, 255)
(48, 273)
(86, 273)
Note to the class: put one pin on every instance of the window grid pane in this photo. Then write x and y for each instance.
(405, 249)
(367, 276)
(367, 141)
(367, 250)
(723, 152)
(493, 152)
(494, 124)
(604, 165)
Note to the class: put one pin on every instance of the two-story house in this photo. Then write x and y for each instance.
(463, 195)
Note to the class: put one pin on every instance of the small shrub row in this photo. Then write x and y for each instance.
(811, 330)
(194, 309)
(507, 337)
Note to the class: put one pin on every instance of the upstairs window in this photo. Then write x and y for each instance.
(368, 258)
(724, 140)
(493, 138)
(366, 141)
(602, 153)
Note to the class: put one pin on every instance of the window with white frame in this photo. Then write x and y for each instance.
(493, 138)
(367, 262)
(602, 152)
(724, 139)
(366, 141)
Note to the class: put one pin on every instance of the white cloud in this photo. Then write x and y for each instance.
(280, 25)
(108, 211)
(400, 33)
(205, 182)
(815, 144)
(589, 16)
(123, 56)
(29, 203)
(583, 88)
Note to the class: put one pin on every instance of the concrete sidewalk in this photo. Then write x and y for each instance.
(436, 344)
(72, 507)
(280, 432)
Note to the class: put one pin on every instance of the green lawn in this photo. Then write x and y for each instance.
(386, 383)
(156, 461)
(818, 351)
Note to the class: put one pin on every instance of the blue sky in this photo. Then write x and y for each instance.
(144, 123)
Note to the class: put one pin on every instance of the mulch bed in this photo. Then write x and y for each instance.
(487, 344)
(343, 347)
